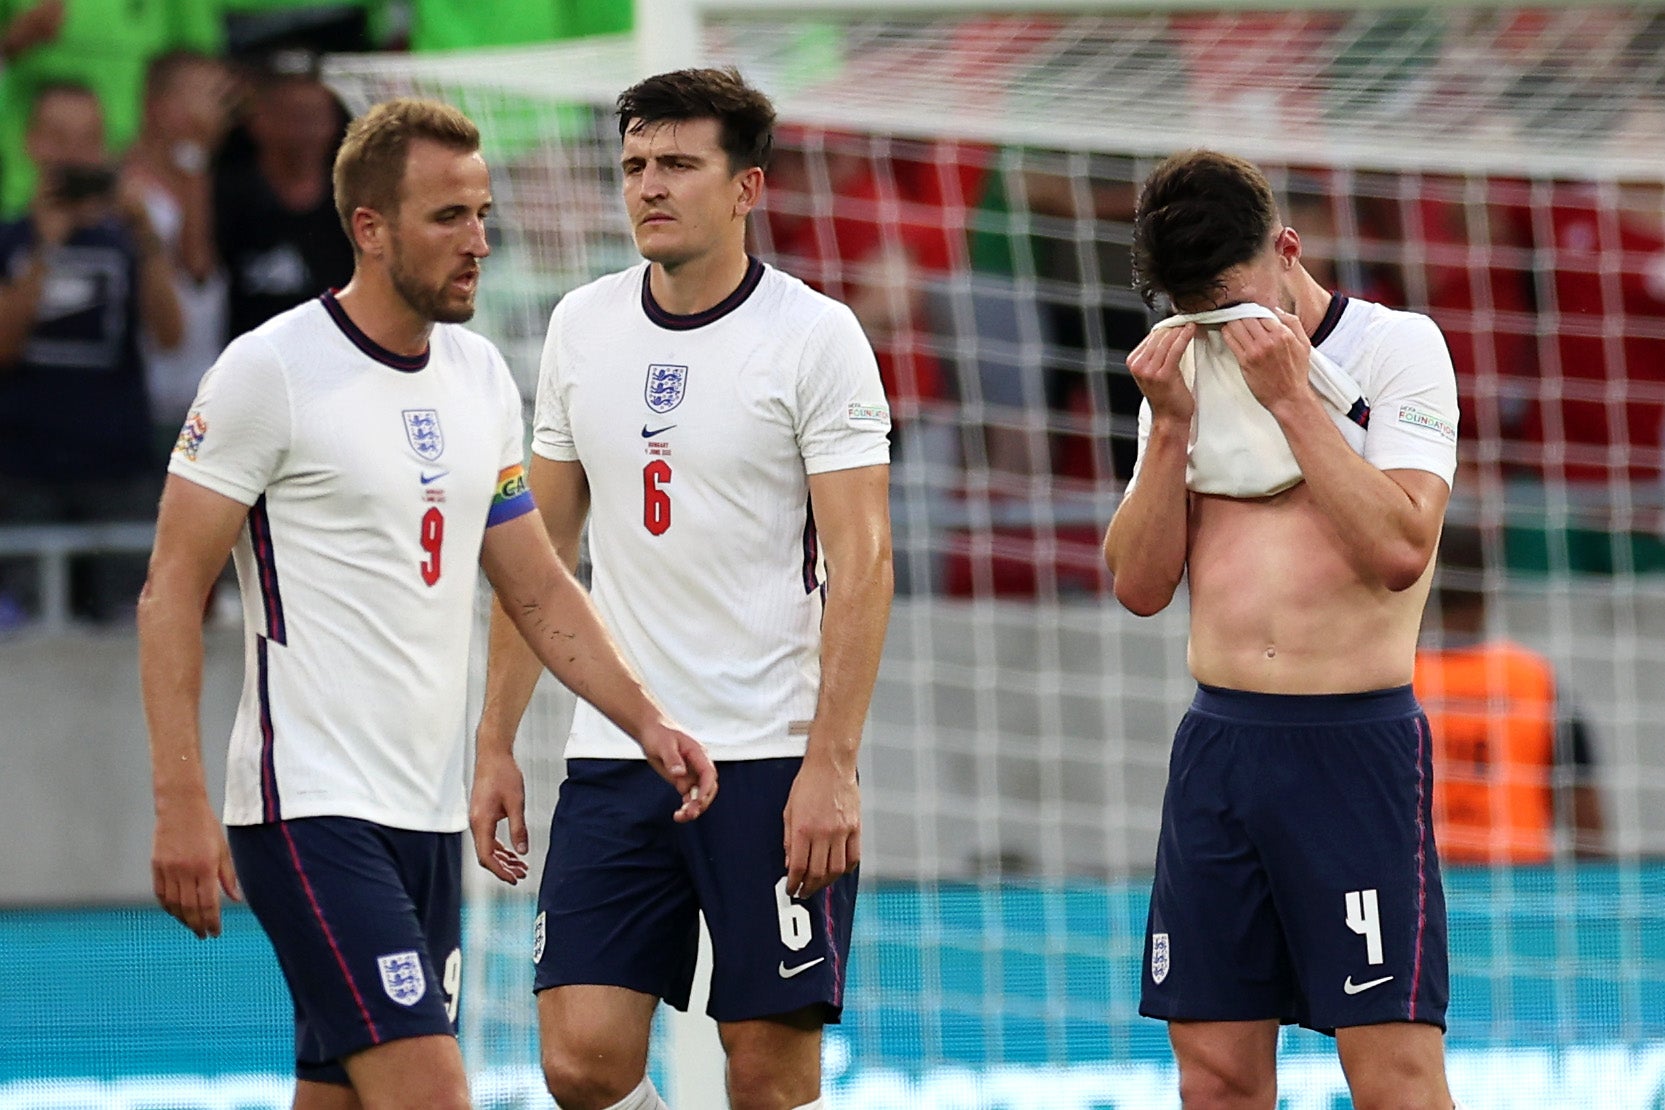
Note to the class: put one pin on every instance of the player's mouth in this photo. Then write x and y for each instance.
(466, 282)
(657, 218)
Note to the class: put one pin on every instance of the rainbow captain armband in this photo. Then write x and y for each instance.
(511, 498)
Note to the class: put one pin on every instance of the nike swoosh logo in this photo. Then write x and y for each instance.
(789, 972)
(429, 478)
(1354, 988)
(655, 432)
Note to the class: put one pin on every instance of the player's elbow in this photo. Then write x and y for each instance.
(1142, 599)
(1402, 565)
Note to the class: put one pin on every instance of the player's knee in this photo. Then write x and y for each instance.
(758, 1081)
(1217, 1085)
(581, 1080)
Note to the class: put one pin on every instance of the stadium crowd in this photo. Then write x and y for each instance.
(993, 282)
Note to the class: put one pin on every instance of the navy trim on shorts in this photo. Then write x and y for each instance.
(1254, 707)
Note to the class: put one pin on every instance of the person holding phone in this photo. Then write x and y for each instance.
(81, 274)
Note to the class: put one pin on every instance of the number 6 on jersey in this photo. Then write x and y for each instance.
(656, 503)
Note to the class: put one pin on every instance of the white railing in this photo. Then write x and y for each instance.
(52, 546)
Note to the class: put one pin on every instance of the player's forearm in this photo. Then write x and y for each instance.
(852, 640)
(1145, 544)
(170, 675)
(512, 671)
(560, 624)
(1389, 537)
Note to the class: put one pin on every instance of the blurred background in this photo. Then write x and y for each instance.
(964, 178)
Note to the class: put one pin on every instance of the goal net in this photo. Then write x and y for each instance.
(965, 182)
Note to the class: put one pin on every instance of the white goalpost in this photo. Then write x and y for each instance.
(964, 177)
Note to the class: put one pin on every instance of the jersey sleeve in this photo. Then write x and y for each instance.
(551, 426)
(511, 498)
(238, 428)
(1413, 406)
(842, 419)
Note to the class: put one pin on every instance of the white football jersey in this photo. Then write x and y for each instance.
(371, 479)
(698, 435)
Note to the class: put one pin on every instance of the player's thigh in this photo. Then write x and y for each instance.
(774, 1063)
(616, 907)
(424, 1072)
(311, 1095)
(772, 954)
(1394, 1064)
(1226, 1063)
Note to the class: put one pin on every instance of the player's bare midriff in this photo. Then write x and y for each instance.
(1276, 608)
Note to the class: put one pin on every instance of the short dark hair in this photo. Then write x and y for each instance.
(1200, 213)
(745, 116)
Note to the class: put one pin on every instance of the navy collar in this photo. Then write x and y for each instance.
(1332, 317)
(673, 322)
(408, 364)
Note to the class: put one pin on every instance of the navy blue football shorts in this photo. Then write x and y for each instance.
(1296, 877)
(624, 884)
(366, 922)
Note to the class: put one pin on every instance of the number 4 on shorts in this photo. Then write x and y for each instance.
(1363, 920)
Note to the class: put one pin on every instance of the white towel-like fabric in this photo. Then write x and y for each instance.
(1236, 447)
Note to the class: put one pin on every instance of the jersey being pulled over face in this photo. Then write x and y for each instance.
(698, 435)
(371, 478)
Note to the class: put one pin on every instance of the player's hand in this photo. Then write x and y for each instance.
(1154, 364)
(499, 794)
(190, 863)
(823, 826)
(1274, 355)
(682, 761)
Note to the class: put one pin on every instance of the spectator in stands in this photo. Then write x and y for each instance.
(1513, 770)
(276, 230)
(103, 44)
(83, 271)
(188, 101)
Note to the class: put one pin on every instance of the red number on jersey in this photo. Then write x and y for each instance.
(656, 503)
(433, 537)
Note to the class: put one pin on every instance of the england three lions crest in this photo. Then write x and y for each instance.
(665, 386)
(402, 977)
(422, 429)
(1158, 957)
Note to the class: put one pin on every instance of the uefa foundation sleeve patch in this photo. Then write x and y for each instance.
(1433, 423)
(512, 498)
(869, 414)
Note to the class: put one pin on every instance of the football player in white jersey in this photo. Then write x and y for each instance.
(362, 453)
(723, 428)
(1296, 876)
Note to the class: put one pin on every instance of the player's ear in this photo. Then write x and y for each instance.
(1288, 245)
(749, 190)
(369, 231)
